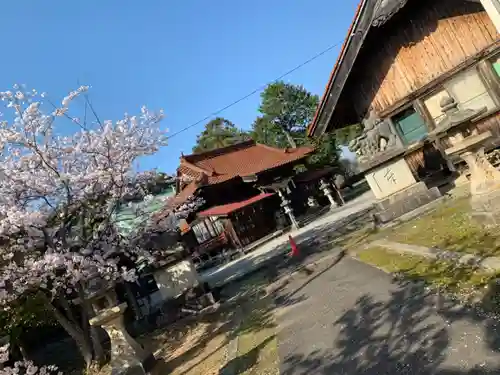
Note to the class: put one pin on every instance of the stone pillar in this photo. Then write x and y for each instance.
(492, 7)
(484, 185)
(127, 355)
(484, 177)
(285, 203)
(325, 188)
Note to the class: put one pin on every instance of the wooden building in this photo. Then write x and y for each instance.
(402, 60)
(242, 186)
(251, 192)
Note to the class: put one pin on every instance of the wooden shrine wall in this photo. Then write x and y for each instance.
(422, 42)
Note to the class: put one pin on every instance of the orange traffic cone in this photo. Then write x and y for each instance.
(293, 245)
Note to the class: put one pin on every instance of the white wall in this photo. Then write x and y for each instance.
(175, 280)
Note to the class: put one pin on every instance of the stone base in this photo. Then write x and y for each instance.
(143, 368)
(485, 208)
(405, 201)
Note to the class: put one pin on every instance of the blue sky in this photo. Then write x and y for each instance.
(188, 57)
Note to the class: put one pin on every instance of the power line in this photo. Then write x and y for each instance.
(253, 92)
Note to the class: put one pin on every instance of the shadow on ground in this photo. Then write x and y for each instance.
(402, 335)
(319, 241)
(245, 362)
(293, 297)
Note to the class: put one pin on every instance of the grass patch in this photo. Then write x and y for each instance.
(462, 280)
(257, 344)
(447, 227)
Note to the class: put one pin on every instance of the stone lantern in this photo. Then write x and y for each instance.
(127, 355)
(326, 189)
(286, 204)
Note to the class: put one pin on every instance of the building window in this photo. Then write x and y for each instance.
(467, 89)
(207, 229)
(496, 65)
(410, 125)
(217, 224)
(201, 232)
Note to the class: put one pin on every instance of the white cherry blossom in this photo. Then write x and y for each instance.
(59, 193)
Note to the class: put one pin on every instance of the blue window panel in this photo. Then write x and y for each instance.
(411, 125)
(496, 66)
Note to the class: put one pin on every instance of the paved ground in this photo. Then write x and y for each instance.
(279, 245)
(353, 319)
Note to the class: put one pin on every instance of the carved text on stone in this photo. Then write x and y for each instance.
(390, 176)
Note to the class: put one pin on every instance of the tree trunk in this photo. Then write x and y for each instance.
(74, 331)
(290, 139)
(90, 331)
(23, 351)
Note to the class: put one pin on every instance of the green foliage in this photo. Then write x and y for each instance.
(218, 133)
(443, 275)
(265, 132)
(29, 311)
(327, 152)
(291, 107)
(345, 135)
(448, 227)
(349, 167)
(288, 109)
(285, 108)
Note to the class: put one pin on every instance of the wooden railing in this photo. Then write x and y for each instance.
(211, 244)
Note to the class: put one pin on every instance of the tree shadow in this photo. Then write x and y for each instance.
(404, 334)
(334, 235)
(194, 338)
(293, 297)
(244, 362)
(256, 314)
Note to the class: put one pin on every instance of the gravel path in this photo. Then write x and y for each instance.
(353, 319)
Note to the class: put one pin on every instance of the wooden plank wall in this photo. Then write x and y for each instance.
(421, 43)
(416, 159)
(491, 123)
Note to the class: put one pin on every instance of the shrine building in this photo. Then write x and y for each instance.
(420, 75)
(251, 191)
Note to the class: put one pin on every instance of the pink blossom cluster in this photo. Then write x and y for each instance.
(29, 368)
(58, 193)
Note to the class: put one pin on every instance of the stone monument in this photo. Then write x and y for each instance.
(381, 157)
(287, 207)
(176, 278)
(484, 177)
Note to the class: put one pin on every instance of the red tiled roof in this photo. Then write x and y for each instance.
(177, 200)
(226, 209)
(242, 159)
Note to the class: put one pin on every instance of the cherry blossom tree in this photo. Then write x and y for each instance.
(58, 197)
